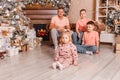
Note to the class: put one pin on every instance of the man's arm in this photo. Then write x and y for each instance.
(52, 25)
(83, 38)
(67, 26)
(77, 29)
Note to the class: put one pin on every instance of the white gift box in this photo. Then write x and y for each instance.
(11, 51)
(2, 42)
(31, 34)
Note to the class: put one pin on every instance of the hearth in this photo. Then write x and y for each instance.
(41, 31)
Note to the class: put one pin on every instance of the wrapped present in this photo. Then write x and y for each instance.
(2, 42)
(31, 43)
(11, 51)
(31, 33)
(117, 39)
(24, 47)
(117, 47)
(39, 40)
(12, 42)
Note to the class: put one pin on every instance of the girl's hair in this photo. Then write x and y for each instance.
(65, 33)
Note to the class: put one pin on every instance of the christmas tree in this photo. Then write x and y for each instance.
(11, 13)
(113, 18)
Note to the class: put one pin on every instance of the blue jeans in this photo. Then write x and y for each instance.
(76, 39)
(84, 48)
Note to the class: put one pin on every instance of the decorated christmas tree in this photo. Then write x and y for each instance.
(11, 14)
(113, 18)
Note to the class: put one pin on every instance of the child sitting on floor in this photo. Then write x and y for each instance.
(66, 53)
(90, 40)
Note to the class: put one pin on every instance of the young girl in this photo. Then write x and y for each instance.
(90, 40)
(66, 53)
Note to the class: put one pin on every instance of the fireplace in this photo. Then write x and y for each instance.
(40, 17)
(42, 31)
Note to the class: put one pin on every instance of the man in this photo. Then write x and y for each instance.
(58, 24)
(81, 26)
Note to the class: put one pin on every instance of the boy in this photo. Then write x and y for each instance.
(90, 40)
(81, 27)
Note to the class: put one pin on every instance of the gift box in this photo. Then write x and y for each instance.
(117, 48)
(24, 47)
(117, 39)
(117, 44)
(11, 51)
(38, 40)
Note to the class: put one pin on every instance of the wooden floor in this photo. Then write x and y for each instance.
(36, 65)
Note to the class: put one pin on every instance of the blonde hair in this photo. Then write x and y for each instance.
(65, 33)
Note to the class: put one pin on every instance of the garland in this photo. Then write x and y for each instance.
(55, 3)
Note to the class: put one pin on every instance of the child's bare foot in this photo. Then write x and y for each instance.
(60, 66)
(89, 52)
(96, 52)
(75, 64)
(54, 65)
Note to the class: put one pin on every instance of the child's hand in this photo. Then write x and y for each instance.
(66, 30)
(55, 59)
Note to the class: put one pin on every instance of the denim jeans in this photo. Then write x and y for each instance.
(76, 39)
(84, 48)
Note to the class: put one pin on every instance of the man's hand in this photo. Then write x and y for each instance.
(57, 27)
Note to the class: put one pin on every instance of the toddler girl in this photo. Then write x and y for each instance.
(66, 53)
